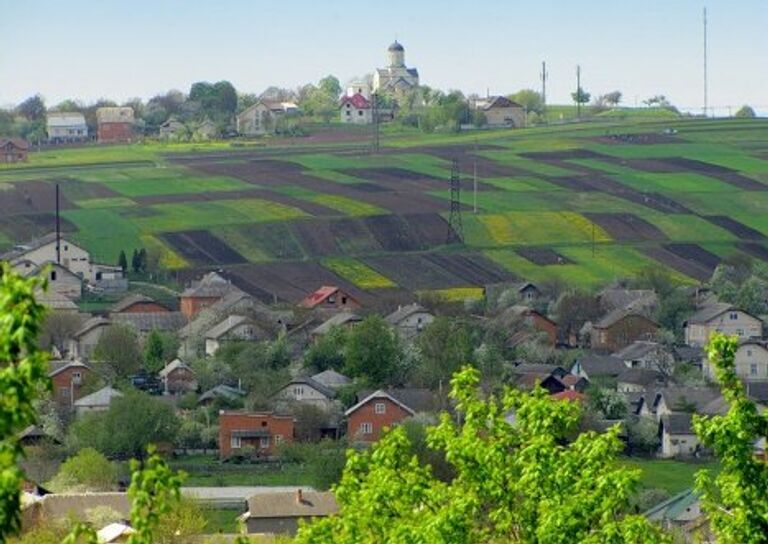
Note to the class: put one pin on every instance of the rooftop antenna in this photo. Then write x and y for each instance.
(58, 228)
(544, 75)
(706, 97)
(455, 227)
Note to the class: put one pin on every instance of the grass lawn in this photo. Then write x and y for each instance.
(358, 273)
(672, 476)
(221, 520)
(104, 232)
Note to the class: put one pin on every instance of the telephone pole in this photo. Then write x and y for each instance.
(474, 194)
(375, 113)
(578, 91)
(544, 90)
(706, 97)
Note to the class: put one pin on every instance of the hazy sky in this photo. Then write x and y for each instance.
(119, 49)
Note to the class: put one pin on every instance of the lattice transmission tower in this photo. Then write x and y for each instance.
(455, 226)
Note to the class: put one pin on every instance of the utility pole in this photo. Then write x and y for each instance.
(58, 228)
(544, 90)
(578, 91)
(474, 194)
(375, 113)
(706, 97)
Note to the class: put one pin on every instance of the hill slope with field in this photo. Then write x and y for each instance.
(585, 203)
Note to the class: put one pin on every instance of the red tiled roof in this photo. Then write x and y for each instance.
(570, 379)
(357, 100)
(570, 395)
(318, 296)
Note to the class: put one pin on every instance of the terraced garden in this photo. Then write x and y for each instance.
(583, 203)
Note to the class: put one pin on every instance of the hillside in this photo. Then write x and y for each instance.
(584, 203)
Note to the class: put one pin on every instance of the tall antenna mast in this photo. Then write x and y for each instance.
(578, 91)
(455, 227)
(706, 97)
(544, 90)
(58, 228)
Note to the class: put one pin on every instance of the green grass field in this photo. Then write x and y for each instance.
(672, 476)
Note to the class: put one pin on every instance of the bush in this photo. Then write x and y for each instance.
(88, 470)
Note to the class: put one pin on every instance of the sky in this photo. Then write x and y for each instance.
(88, 49)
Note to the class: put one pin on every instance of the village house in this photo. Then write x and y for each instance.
(332, 379)
(410, 320)
(66, 127)
(644, 301)
(345, 320)
(61, 280)
(619, 328)
(396, 77)
(56, 302)
(555, 379)
(500, 111)
(638, 380)
(209, 290)
(178, 378)
(258, 433)
(98, 401)
(721, 317)
(527, 292)
(683, 514)
(279, 512)
(115, 124)
(53, 508)
(678, 438)
(598, 367)
(83, 341)
(645, 354)
(13, 150)
(172, 128)
(67, 380)
(138, 303)
(751, 362)
(233, 328)
(531, 320)
(221, 393)
(382, 409)
(699, 400)
(356, 109)
(305, 390)
(329, 297)
(261, 118)
(146, 322)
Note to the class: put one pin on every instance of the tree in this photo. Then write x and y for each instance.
(118, 349)
(122, 261)
(88, 470)
(745, 112)
(131, 423)
(226, 97)
(330, 85)
(608, 403)
(57, 329)
(373, 352)
(442, 348)
(643, 434)
(32, 109)
(613, 98)
(580, 96)
(529, 99)
(573, 309)
(521, 482)
(154, 354)
(736, 499)
(328, 351)
(135, 261)
(23, 376)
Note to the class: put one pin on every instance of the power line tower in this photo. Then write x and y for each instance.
(375, 113)
(455, 227)
(544, 75)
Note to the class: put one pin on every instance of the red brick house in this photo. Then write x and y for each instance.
(138, 303)
(68, 378)
(381, 409)
(244, 433)
(115, 124)
(619, 328)
(209, 290)
(330, 297)
(13, 150)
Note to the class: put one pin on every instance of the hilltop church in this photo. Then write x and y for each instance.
(396, 76)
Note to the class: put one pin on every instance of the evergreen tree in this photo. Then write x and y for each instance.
(122, 261)
(135, 261)
(154, 353)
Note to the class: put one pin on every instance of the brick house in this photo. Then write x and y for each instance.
(723, 318)
(115, 124)
(138, 303)
(329, 297)
(381, 409)
(67, 379)
(206, 292)
(242, 430)
(536, 321)
(13, 150)
(619, 328)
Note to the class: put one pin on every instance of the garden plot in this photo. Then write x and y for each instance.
(202, 248)
(740, 230)
(542, 256)
(358, 273)
(23, 228)
(695, 253)
(758, 251)
(626, 226)
(473, 268)
(30, 197)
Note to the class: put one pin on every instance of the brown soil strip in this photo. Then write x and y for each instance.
(734, 227)
(755, 250)
(695, 253)
(626, 226)
(675, 262)
(202, 248)
(542, 256)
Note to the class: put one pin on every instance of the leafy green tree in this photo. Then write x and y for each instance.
(745, 112)
(131, 423)
(442, 348)
(521, 482)
(612, 98)
(580, 96)
(23, 376)
(528, 98)
(328, 351)
(373, 352)
(643, 434)
(154, 353)
(87, 470)
(118, 350)
(32, 109)
(330, 85)
(606, 402)
(751, 296)
(736, 499)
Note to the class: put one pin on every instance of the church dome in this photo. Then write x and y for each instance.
(395, 47)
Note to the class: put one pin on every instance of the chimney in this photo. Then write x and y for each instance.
(299, 497)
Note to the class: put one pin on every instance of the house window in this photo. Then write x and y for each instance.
(64, 392)
(734, 316)
(76, 377)
(234, 442)
(343, 300)
(380, 408)
(740, 332)
(66, 247)
(360, 113)
(366, 428)
(278, 438)
(298, 391)
(264, 442)
(749, 353)
(263, 423)
(53, 275)
(332, 300)
(753, 369)
(349, 113)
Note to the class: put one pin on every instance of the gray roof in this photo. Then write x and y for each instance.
(708, 313)
(221, 391)
(640, 376)
(536, 368)
(342, 318)
(612, 298)
(55, 301)
(602, 365)
(65, 119)
(678, 423)
(130, 300)
(672, 508)
(614, 316)
(58, 366)
(222, 328)
(211, 285)
(396, 46)
(36, 243)
(150, 321)
(173, 365)
(332, 379)
(314, 384)
(91, 324)
(286, 504)
(758, 392)
(403, 312)
(699, 398)
(637, 350)
(416, 399)
(102, 397)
